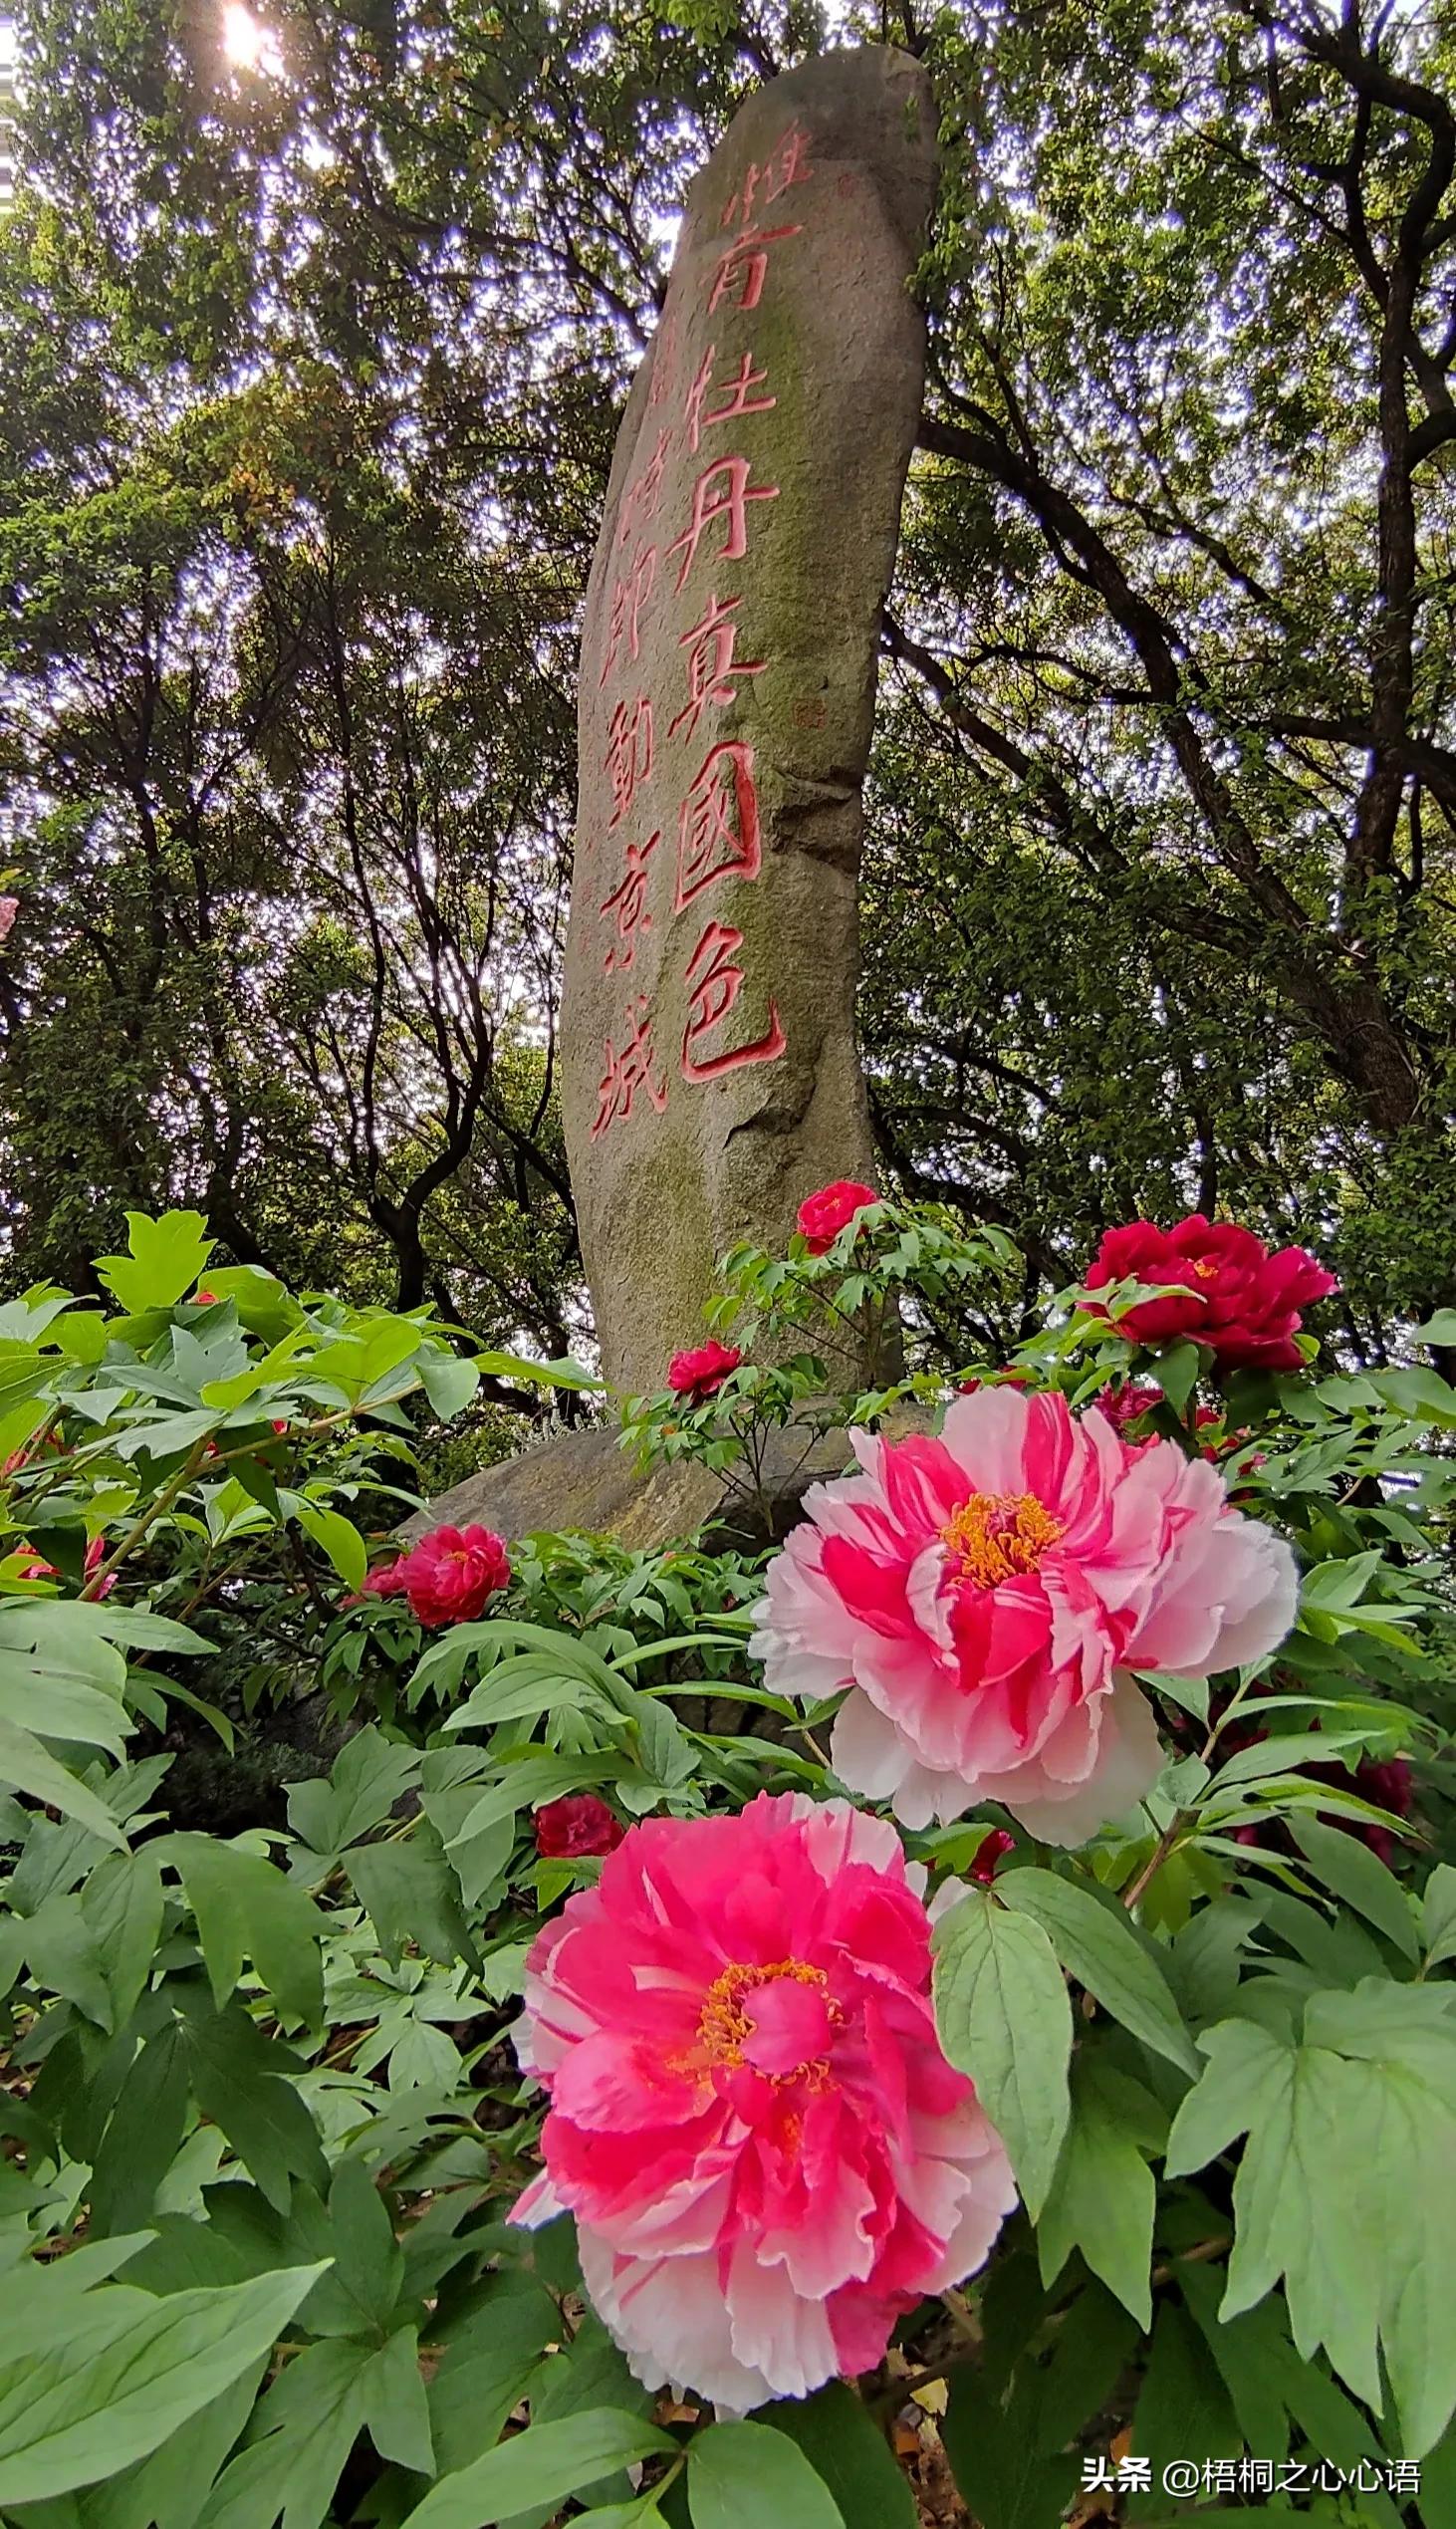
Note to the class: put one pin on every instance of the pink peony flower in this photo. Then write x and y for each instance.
(9, 908)
(700, 1375)
(768, 2156)
(822, 1216)
(986, 1594)
(1240, 1300)
(448, 1577)
(578, 1823)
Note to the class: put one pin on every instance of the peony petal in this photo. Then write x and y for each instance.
(779, 2337)
(670, 2318)
(1128, 1762)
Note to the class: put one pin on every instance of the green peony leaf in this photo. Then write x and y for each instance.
(1005, 2018)
(541, 2465)
(1343, 2188)
(89, 2384)
(1097, 1944)
(741, 2476)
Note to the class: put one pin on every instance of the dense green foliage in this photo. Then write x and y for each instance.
(262, 2123)
(308, 380)
(309, 377)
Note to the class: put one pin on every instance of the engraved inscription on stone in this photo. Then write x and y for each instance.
(710, 1072)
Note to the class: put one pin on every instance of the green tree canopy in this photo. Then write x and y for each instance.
(308, 379)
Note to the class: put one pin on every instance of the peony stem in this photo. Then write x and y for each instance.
(1155, 1861)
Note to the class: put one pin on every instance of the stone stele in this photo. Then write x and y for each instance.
(710, 1075)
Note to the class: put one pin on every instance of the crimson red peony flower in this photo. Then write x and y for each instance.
(1003, 1379)
(1122, 1405)
(768, 2156)
(386, 1581)
(987, 1596)
(1237, 1298)
(34, 1568)
(992, 1849)
(822, 1216)
(24, 1455)
(575, 1824)
(700, 1375)
(448, 1577)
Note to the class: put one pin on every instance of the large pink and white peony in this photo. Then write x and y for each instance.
(768, 2155)
(986, 1596)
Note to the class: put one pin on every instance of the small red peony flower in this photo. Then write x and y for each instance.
(96, 1555)
(280, 1427)
(577, 1825)
(24, 1455)
(1122, 1405)
(386, 1581)
(822, 1216)
(769, 2159)
(1236, 1297)
(700, 1375)
(994, 1849)
(34, 1569)
(452, 1572)
(204, 1300)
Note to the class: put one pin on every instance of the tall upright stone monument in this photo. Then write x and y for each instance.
(710, 1077)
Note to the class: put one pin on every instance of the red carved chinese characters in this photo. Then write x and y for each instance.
(718, 822)
(629, 759)
(718, 828)
(714, 983)
(730, 503)
(744, 266)
(628, 1068)
(641, 501)
(665, 364)
(697, 420)
(784, 165)
(628, 903)
(711, 664)
(628, 597)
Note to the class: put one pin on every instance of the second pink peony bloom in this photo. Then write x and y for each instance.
(768, 2155)
(986, 1596)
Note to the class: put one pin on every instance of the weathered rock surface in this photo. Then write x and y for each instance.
(586, 1482)
(710, 1075)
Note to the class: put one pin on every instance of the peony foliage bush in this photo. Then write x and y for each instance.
(916, 1988)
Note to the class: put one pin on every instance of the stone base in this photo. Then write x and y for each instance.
(585, 1482)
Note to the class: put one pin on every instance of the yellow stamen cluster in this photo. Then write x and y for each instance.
(725, 2023)
(993, 1537)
